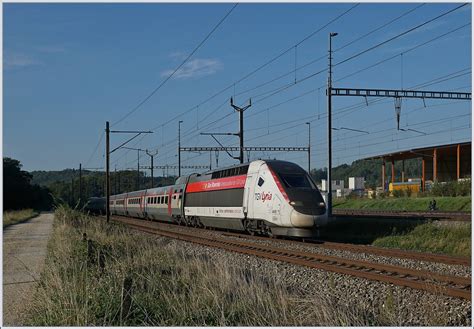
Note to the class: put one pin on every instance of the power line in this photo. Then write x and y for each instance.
(380, 27)
(280, 89)
(325, 56)
(398, 35)
(264, 64)
(95, 149)
(177, 68)
(286, 51)
(404, 52)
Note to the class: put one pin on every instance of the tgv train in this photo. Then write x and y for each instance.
(268, 197)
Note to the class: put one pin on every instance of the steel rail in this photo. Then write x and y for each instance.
(368, 249)
(458, 215)
(422, 280)
(397, 253)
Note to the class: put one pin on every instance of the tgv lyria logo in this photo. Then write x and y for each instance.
(263, 196)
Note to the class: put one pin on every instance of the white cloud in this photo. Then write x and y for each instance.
(196, 68)
(16, 60)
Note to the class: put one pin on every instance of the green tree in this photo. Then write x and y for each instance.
(18, 193)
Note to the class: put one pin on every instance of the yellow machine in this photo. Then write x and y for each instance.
(414, 187)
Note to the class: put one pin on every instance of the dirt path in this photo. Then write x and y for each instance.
(24, 252)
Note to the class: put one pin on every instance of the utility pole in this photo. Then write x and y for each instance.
(328, 91)
(179, 147)
(107, 171)
(241, 125)
(80, 183)
(152, 155)
(138, 169)
(115, 180)
(72, 190)
(309, 147)
(119, 188)
(107, 157)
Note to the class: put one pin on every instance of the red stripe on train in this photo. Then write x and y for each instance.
(278, 183)
(217, 184)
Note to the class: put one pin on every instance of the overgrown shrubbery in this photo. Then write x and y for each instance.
(461, 188)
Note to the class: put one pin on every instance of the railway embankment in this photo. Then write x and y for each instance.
(443, 237)
(443, 203)
(99, 274)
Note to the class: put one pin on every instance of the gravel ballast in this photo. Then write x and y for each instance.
(366, 299)
(399, 305)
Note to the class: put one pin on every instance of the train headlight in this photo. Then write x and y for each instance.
(296, 203)
(321, 204)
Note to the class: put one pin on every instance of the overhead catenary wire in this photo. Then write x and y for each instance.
(398, 35)
(356, 106)
(287, 50)
(405, 33)
(95, 149)
(273, 59)
(232, 85)
(177, 68)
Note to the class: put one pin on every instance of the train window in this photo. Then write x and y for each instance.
(296, 181)
(260, 181)
(180, 196)
(162, 200)
(166, 199)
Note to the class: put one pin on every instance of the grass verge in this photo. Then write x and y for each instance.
(17, 216)
(435, 237)
(105, 275)
(461, 203)
(443, 237)
(366, 230)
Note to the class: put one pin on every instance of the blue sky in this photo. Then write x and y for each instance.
(68, 68)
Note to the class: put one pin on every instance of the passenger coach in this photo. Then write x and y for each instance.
(266, 197)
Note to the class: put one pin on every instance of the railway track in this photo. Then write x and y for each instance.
(422, 280)
(442, 215)
(397, 253)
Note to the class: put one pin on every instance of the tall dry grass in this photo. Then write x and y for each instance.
(106, 275)
(17, 216)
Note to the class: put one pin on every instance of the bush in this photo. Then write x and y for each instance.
(408, 192)
(397, 193)
(462, 188)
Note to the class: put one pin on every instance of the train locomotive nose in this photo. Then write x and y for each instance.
(299, 219)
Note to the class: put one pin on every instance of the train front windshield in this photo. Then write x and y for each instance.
(299, 180)
(303, 194)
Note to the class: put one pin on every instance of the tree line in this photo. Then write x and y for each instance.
(18, 190)
(38, 189)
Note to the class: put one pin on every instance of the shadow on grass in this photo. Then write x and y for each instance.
(366, 230)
